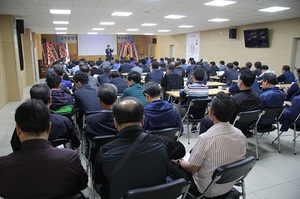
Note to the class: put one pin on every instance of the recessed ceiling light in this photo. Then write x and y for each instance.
(122, 33)
(148, 33)
(274, 9)
(132, 29)
(56, 11)
(61, 33)
(219, 3)
(148, 24)
(218, 20)
(174, 16)
(122, 14)
(185, 26)
(107, 23)
(92, 33)
(60, 22)
(61, 28)
(98, 29)
(163, 30)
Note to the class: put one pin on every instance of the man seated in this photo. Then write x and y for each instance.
(220, 145)
(230, 74)
(291, 111)
(137, 68)
(159, 114)
(103, 123)
(118, 81)
(104, 78)
(135, 89)
(146, 165)
(294, 90)
(245, 100)
(93, 82)
(145, 66)
(38, 169)
(155, 75)
(125, 67)
(271, 97)
(287, 76)
(61, 126)
(95, 69)
(264, 69)
(61, 102)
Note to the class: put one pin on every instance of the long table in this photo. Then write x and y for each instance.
(212, 92)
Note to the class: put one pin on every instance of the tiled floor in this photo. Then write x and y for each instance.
(275, 176)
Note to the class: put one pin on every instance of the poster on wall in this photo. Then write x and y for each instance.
(62, 39)
(193, 45)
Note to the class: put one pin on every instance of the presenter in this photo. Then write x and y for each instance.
(108, 52)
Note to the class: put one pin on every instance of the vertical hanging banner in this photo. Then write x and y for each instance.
(193, 46)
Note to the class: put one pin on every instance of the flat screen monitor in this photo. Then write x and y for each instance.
(256, 38)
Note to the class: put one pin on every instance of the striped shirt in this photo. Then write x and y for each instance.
(221, 144)
(195, 90)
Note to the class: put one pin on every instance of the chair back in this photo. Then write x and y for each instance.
(249, 117)
(170, 190)
(233, 172)
(95, 144)
(75, 196)
(169, 132)
(197, 108)
(59, 141)
(273, 112)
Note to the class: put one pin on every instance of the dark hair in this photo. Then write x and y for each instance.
(193, 62)
(152, 88)
(143, 61)
(212, 63)
(136, 63)
(199, 74)
(170, 67)
(135, 76)
(162, 65)
(223, 106)
(229, 65)
(41, 92)
(92, 63)
(264, 67)
(222, 62)
(247, 76)
(81, 77)
(248, 64)
(114, 74)
(58, 71)
(183, 61)
(257, 64)
(107, 93)
(270, 78)
(128, 110)
(53, 80)
(286, 68)
(33, 117)
(84, 69)
(235, 63)
(155, 65)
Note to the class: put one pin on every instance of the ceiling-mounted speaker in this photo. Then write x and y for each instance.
(232, 33)
(20, 26)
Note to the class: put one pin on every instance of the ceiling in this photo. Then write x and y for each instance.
(87, 14)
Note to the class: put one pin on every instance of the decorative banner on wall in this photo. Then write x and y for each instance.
(66, 39)
(125, 38)
(193, 45)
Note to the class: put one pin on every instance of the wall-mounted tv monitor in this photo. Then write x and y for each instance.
(256, 38)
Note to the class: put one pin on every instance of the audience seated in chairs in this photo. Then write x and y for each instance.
(61, 127)
(61, 102)
(38, 169)
(155, 75)
(245, 100)
(159, 114)
(230, 74)
(93, 82)
(118, 81)
(145, 166)
(287, 76)
(221, 144)
(104, 78)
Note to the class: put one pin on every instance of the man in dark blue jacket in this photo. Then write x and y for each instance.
(230, 74)
(287, 76)
(118, 81)
(156, 75)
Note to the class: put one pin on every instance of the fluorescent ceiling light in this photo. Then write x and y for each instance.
(107, 23)
(122, 14)
(148, 33)
(174, 16)
(218, 20)
(61, 28)
(274, 9)
(219, 3)
(132, 29)
(92, 33)
(185, 26)
(122, 33)
(61, 33)
(163, 30)
(55, 11)
(148, 24)
(98, 29)
(60, 22)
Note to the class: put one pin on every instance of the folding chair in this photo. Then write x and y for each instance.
(170, 190)
(295, 129)
(250, 119)
(169, 132)
(195, 112)
(233, 172)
